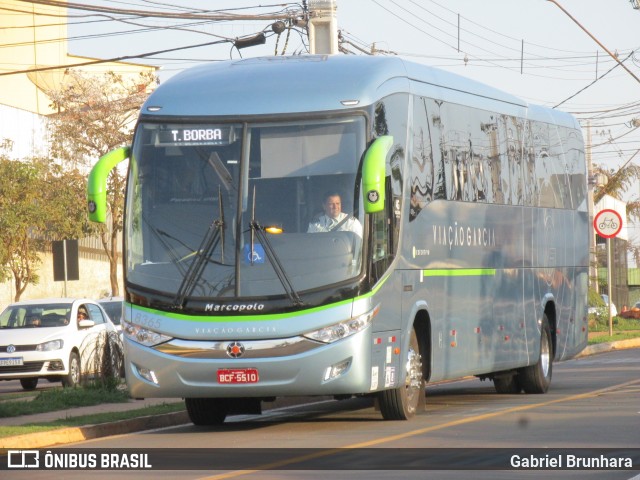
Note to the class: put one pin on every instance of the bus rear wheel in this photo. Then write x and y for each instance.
(507, 384)
(207, 411)
(402, 403)
(537, 378)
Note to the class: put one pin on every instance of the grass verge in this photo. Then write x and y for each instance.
(623, 329)
(605, 338)
(80, 421)
(62, 399)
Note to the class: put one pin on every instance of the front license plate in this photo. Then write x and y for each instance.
(238, 375)
(11, 362)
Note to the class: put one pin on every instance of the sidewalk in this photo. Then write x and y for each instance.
(79, 434)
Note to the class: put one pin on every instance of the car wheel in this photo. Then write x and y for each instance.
(74, 376)
(29, 383)
(112, 360)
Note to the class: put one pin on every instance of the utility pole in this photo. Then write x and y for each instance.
(594, 39)
(323, 27)
(592, 183)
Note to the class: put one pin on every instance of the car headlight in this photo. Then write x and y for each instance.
(51, 345)
(143, 335)
(343, 329)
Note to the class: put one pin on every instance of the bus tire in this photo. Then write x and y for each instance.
(207, 411)
(537, 378)
(74, 376)
(507, 384)
(402, 403)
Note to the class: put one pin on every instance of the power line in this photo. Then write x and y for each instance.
(494, 60)
(158, 14)
(199, 17)
(485, 28)
(596, 80)
(115, 59)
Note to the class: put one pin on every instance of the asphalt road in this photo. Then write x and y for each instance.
(592, 404)
(13, 386)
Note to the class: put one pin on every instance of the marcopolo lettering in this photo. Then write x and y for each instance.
(234, 307)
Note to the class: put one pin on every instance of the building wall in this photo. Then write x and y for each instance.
(27, 131)
(93, 283)
(35, 36)
(32, 36)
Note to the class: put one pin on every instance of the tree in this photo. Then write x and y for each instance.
(38, 203)
(617, 184)
(97, 114)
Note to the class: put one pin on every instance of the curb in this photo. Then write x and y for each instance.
(150, 422)
(608, 347)
(79, 434)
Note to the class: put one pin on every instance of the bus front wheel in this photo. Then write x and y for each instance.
(207, 411)
(537, 378)
(402, 403)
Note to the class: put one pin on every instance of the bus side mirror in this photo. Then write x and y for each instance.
(373, 174)
(97, 184)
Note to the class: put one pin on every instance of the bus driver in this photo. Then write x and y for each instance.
(334, 219)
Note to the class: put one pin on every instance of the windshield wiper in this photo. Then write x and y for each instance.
(211, 239)
(258, 230)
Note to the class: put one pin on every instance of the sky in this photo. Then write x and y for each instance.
(529, 48)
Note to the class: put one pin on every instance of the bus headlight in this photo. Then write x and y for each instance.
(343, 329)
(143, 335)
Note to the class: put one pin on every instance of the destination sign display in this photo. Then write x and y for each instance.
(185, 135)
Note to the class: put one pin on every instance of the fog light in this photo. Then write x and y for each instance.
(148, 375)
(55, 365)
(336, 369)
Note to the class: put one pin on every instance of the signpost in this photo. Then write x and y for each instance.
(65, 261)
(608, 224)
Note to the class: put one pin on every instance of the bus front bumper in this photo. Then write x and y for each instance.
(194, 369)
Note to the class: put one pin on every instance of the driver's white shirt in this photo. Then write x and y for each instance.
(324, 223)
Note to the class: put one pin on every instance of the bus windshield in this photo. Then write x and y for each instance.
(232, 210)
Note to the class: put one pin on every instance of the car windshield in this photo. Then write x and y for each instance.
(113, 309)
(35, 316)
(228, 210)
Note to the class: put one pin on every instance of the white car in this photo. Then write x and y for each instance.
(48, 339)
(604, 310)
(113, 307)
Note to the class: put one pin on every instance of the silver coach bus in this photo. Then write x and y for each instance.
(467, 252)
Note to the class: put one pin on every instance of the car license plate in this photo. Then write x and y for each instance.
(11, 362)
(238, 375)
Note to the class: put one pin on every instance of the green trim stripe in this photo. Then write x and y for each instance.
(255, 316)
(460, 272)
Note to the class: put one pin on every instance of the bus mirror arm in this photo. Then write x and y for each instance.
(97, 183)
(373, 174)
